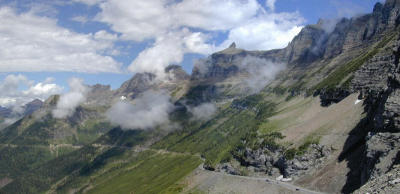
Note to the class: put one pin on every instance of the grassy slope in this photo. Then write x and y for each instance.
(29, 148)
(217, 138)
(30, 142)
(120, 171)
(150, 172)
(81, 162)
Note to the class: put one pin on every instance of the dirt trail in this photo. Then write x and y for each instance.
(218, 182)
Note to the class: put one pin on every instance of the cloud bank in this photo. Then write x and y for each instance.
(270, 4)
(147, 111)
(69, 101)
(190, 26)
(203, 111)
(261, 72)
(171, 29)
(36, 43)
(265, 32)
(169, 49)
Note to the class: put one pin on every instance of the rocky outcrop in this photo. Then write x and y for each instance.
(99, 95)
(382, 152)
(332, 96)
(228, 168)
(274, 162)
(81, 114)
(387, 183)
(141, 82)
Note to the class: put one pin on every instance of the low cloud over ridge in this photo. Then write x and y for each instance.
(147, 111)
(261, 71)
(69, 101)
(203, 111)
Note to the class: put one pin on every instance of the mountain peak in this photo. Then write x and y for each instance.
(233, 45)
(33, 106)
(177, 72)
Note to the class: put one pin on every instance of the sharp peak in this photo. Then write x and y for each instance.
(233, 45)
(232, 49)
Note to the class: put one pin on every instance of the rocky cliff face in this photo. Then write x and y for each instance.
(388, 183)
(219, 65)
(307, 46)
(99, 95)
(375, 139)
(328, 39)
(378, 82)
(141, 82)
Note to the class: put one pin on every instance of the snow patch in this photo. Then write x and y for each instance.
(280, 178)
(286, 179)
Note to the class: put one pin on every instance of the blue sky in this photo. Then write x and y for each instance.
(116, 37)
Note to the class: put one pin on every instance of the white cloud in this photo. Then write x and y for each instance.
(41, 89)
(214, 15)
(169, 49)
(89, 2)
(69, 101)
(140, 20)
(270, 4)
(163, 21)
(80, 19)
(203, 111)
(13, 94)
(147, 111)
(136, 20)
(36, 43)
(105, 36)
(261, 72)
(265, 32)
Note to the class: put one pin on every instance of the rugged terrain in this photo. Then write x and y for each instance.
(325, 120)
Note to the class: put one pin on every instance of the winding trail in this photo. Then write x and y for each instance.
(270, 181)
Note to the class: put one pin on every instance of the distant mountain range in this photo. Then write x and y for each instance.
(8, 115)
